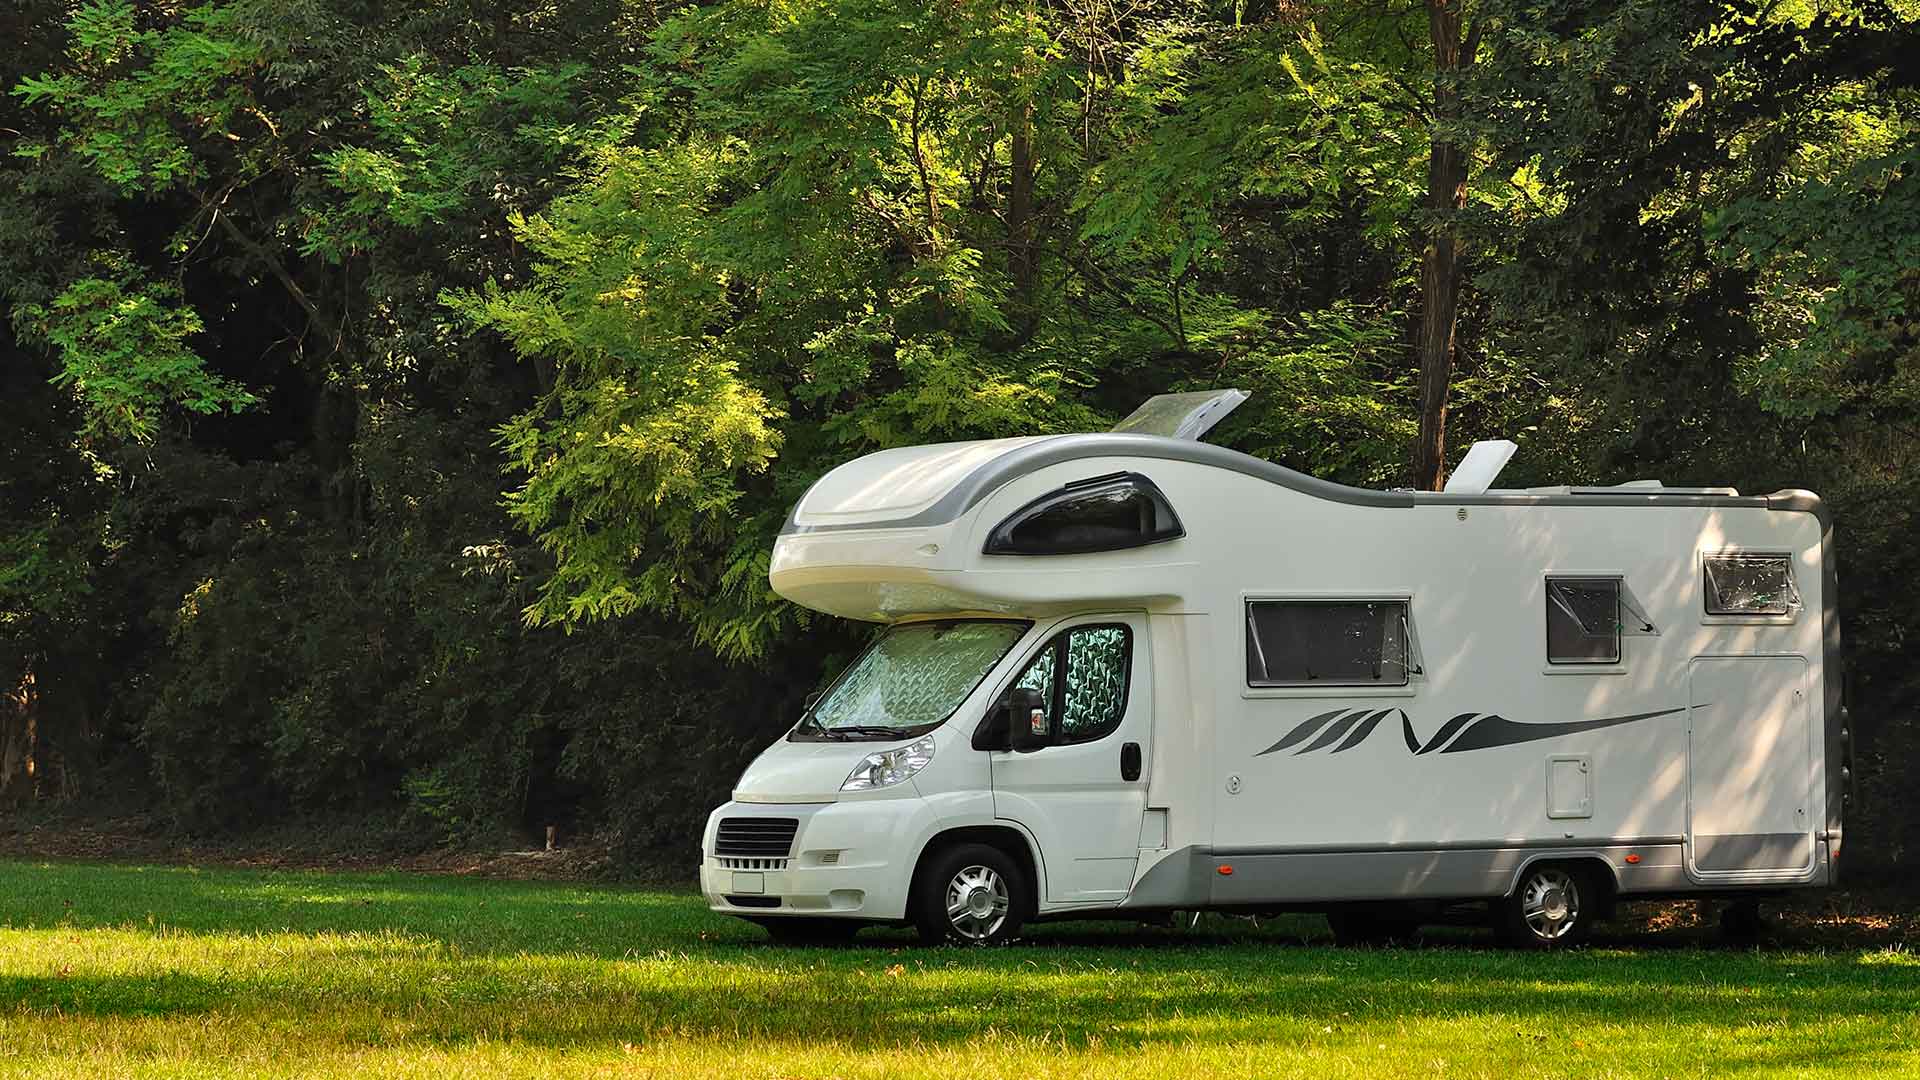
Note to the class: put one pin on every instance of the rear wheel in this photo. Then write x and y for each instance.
(971, 894)
(803, 930)
(1553, 908)
(1742, 924)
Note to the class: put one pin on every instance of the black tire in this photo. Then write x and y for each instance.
(1742, 924)
(1554, 906)
(970, 894)
(805, 930)
(1373, 924)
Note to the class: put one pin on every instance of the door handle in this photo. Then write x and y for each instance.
(1130, 761)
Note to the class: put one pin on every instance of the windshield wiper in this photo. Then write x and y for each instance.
(860, 729)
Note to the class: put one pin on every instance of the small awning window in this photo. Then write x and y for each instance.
(1583, 620)
(1104, 513)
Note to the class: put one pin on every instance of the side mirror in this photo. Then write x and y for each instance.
(1028, 725)
(814, 699)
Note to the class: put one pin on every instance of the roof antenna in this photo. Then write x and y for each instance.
(1478, 470)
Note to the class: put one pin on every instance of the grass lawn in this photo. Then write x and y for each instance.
(132, 971)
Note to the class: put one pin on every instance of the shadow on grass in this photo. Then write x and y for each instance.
(517, 918)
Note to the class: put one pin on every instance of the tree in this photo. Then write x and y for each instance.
(1456, 44)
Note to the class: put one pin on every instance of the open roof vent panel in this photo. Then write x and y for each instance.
(1478, 470)
(1181, 416)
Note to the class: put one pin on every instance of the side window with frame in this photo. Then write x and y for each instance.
(1583, 620)
(1748, 583)
(1082, 675)
(1327, 643)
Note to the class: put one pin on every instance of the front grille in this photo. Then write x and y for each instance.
(752, 901)
(756, 837)
(738, 862)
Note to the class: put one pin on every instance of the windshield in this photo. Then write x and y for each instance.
(915, 676)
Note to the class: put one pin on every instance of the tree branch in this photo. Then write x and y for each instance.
(279, 271)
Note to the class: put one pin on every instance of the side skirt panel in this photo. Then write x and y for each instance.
(1193, 877)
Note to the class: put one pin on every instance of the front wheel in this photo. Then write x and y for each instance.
(971, 894)
(1553, 908)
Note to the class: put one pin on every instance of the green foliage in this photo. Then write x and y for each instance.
(1211, 115)
(124, 351)
(1837, 264)
(404, 397)
(438, 142)
(135, 123)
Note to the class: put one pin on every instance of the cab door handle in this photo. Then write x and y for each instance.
(1130, 761)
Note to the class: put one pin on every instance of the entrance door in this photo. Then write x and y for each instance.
(1750, 768)
(1083, 797)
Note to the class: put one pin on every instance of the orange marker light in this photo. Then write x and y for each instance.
(1226, 871)
(1633, 858)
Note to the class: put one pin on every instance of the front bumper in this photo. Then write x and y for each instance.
(851, 859)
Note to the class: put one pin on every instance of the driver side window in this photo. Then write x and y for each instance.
(1082, 677)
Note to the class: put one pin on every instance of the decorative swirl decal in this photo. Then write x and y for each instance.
(1467, 731)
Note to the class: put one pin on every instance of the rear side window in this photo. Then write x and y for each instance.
(1583, 620)
(1749, 585)
(1106, 513)
(1327, 643)
(1082, 676)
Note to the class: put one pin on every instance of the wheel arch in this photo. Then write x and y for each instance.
(1010, 840)
(1593, 865)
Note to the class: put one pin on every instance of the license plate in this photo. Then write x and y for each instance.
(749, 883)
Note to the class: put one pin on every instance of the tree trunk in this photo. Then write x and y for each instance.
(1447, 165)
(17, 739)
(1020, 206)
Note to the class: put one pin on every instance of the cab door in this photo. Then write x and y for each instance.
(1083, 795)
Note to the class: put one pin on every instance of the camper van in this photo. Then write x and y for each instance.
(1131, 673)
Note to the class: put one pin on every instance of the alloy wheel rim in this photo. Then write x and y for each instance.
(1550, 903)
(977, 903)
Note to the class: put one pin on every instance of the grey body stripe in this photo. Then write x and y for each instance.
(990, 475)
(1446, 845)
(1750, 851)
(1188, 877)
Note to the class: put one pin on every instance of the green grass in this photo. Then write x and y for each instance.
(128, 971)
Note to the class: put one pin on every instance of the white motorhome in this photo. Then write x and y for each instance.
(1128, 674)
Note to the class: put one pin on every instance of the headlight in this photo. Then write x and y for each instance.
(889, 767)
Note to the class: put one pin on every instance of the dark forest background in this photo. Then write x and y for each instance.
(400, 397)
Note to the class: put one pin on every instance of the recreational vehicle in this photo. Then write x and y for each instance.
(1133, 673)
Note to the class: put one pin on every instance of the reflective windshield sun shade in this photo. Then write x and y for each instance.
(916, 674)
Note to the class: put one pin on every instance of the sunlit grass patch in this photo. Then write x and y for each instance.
(174, 972)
